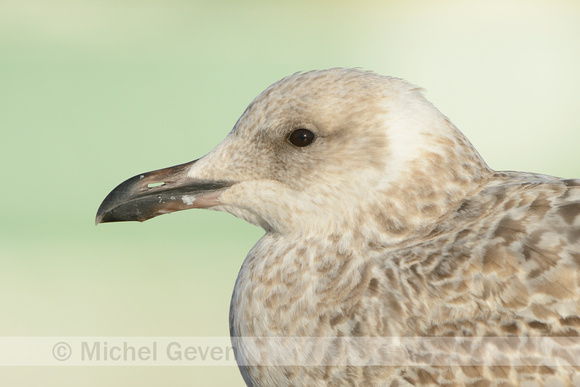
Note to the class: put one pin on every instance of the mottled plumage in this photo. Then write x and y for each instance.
(389, 224)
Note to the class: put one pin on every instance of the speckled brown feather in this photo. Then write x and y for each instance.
(504, 264)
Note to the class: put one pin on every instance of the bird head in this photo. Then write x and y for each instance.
(316, 152)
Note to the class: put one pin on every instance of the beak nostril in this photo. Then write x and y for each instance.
(155, 185)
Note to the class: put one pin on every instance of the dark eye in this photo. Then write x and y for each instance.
(301, 137)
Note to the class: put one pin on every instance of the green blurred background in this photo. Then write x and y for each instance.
(93, 92)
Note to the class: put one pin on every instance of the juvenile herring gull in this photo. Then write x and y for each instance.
(385, 226)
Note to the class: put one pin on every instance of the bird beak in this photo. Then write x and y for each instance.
(159, 192)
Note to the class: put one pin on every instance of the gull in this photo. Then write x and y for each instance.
(382, 222)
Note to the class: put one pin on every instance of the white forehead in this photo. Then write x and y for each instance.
(368, 104)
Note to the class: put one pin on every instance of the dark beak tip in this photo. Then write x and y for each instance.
(102, 218)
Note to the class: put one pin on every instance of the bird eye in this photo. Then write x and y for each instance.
(301, 137)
